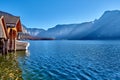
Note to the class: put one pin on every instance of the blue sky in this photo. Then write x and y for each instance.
(48, 13)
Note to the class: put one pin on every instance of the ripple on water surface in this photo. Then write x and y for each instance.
(72, 60)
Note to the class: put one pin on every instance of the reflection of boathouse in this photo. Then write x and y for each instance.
(10, 26)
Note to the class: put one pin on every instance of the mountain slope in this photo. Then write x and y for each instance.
(70, 31)
(107, 27)
(34, 31)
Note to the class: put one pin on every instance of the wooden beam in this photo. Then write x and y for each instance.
(6, 47)
(10, 41)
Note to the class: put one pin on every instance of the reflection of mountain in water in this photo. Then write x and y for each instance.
(9, 69)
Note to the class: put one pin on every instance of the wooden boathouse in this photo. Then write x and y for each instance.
(14, 26)
(3, 36)
(10, 26)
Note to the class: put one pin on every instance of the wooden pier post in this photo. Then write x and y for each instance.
(14, 40)
(2, 46)
(10, 40)
(6, 47)
(14, 45)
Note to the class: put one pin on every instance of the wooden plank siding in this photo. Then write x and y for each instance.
(3, 29)
(3, 36)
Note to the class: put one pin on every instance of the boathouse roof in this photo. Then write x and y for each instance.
(10, 18)
(11, 21)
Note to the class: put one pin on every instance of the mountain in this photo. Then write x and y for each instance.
(34, 31)
(68, 31)
(106, 27)
(32, 34)
(65, 31)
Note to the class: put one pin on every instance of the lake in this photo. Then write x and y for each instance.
(71, 60)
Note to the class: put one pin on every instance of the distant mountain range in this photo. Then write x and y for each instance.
(107, 27)
(70, 31)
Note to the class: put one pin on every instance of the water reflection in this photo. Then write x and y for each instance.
(21, 54)
(9, 68)
(22, 57)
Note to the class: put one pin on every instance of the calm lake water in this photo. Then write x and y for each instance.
(71, 60)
